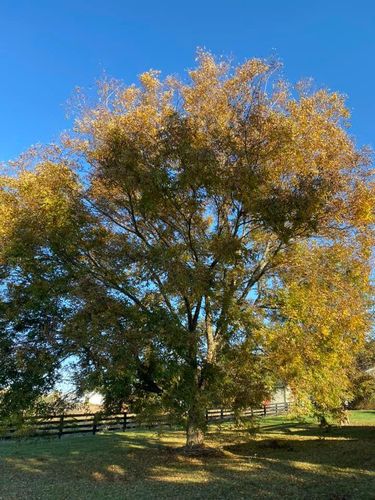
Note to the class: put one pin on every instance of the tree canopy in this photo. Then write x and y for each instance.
(192, 241)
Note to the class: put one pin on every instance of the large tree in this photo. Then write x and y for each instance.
(171, 217)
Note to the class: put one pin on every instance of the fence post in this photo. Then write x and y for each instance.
(276, 408)
(206, 415)
(222, 414)
(265, 410)
(95, 424)
(124, 421)
(61, 426)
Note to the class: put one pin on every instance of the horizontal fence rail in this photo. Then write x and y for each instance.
(92, 423)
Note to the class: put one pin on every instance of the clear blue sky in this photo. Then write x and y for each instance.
(47, 47)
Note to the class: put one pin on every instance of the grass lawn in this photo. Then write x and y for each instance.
(284, 460)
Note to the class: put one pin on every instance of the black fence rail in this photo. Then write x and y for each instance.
(81, 423)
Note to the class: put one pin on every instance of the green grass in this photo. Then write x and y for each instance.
(284, 460)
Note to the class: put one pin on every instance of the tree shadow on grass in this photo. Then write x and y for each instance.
(335, 451)
(136, 465)
(308, 429)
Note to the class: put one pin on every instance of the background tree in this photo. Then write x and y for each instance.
(321, 316)
(34, 303)
(170, 214)
(363, 381)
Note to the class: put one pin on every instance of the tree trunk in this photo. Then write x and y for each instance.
(196, 426)
(194, 436)
(196, 418)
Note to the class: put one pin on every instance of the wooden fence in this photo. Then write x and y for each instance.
(78, 423)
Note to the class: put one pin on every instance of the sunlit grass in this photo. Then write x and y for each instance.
(286, 459)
